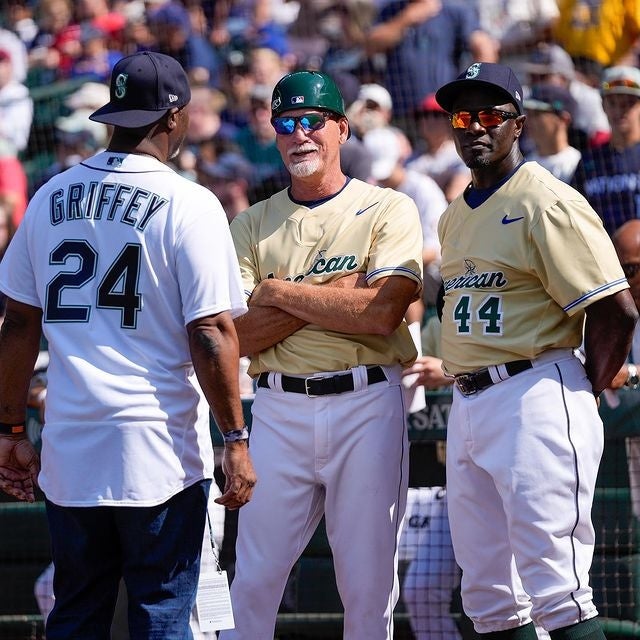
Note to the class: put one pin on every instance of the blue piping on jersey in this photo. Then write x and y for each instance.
(385, 269)
(604, 287)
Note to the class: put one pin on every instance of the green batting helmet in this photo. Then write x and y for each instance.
(302, 89)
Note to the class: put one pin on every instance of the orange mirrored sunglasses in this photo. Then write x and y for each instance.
(486, 117)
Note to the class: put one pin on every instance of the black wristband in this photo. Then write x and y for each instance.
(11, 429)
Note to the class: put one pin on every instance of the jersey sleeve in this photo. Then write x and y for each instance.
(17, 278)
(207, 267)
(241, 234)
(574, 257)
(396, 248)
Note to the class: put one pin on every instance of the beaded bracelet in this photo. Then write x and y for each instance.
(237, 435)
(11, 429)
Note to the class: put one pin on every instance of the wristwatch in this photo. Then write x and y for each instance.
(236, 435)
(633, 379)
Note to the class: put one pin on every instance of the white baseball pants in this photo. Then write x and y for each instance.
(522, 460)
(342, 455)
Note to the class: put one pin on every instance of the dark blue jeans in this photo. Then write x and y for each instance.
(155, 549)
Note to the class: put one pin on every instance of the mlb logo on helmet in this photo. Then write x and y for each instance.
(312, 89)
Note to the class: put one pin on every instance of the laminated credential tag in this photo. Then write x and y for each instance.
(213, 601)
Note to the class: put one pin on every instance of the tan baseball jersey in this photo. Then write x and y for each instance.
(363, 229)
(519, 271)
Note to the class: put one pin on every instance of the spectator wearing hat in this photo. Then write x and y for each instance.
(550, 63)
(16, 108)
(387, 146)
(608, 176)
(550, 110)
(229, 178)
(372, 108)
(440, 160)
(76, 138)
(257, 141)
(355, 158)
(19, 20)
(88, 97)
(96, 60)
(170, 25)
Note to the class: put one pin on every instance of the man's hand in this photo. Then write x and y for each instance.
(261, 295)
(420, 11)
(620, 378)
(239, 474)
(430, 373)
(19, 467)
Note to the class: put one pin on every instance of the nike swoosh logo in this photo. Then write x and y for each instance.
(366, 208)
(507, 220)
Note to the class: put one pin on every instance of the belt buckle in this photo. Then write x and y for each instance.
(466, 385)
(306, 385)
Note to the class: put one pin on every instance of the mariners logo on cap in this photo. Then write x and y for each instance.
(276, 103)
(473, 70)
(297, 99)
(121, 85)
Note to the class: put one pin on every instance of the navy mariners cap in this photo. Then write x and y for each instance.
(551, 98)
(143, 87)
(486, 75)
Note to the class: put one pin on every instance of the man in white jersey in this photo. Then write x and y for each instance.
(130, 272)
(330, 266)
(527, 268)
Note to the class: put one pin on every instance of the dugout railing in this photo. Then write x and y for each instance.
(311, 607)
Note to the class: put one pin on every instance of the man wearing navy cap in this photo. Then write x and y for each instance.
(608, 174)
(130, 272)
(550, 112)
(529, 274)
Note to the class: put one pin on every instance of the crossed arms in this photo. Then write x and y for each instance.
(278, 308)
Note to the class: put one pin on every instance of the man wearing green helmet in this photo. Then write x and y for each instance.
(329, 265)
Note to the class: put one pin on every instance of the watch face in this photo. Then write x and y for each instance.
(633, 378)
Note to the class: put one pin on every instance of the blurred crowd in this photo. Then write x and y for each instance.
(577, 60)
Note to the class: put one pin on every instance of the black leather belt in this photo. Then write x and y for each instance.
(470, 383)
(323, 385)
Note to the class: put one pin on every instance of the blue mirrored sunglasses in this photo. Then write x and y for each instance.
(286, 125)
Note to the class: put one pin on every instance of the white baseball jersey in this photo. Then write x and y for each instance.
(120, 253)
(361, 229)
(519, 271)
